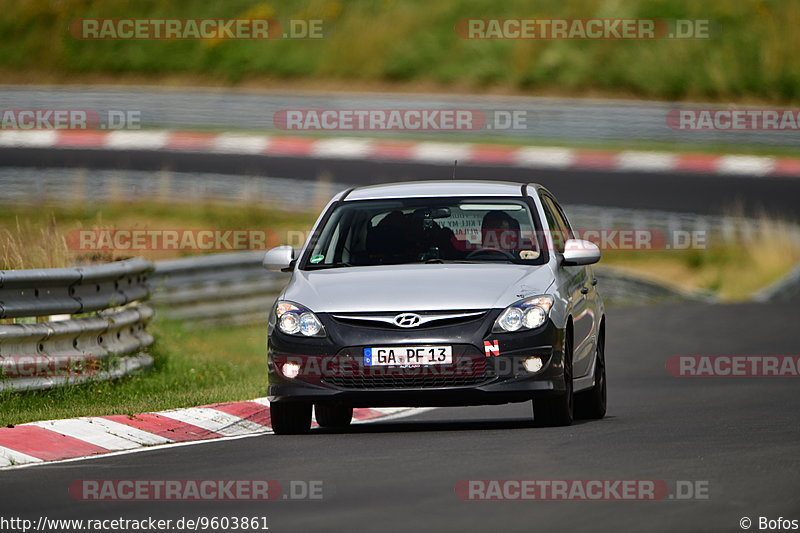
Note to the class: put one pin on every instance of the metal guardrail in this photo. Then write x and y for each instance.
(715, 228)
(786, 288)
(51, 291)
(554, 119)
(231, 288)
(109, 343)
(620, 287)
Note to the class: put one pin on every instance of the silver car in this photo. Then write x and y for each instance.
(437, 293)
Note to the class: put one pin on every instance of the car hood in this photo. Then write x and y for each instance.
(418, 287)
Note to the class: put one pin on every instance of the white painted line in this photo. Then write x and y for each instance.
(342, 148)
(444, 153)
(646, 161)
(83, 429)
(744, 164)
(9, 457)
(37, 139)
(236, 143)
(213, 420)
(544, 157)
(137, 140)
(128, 432)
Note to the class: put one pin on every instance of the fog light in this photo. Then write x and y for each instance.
(533, 364)
(291, 370)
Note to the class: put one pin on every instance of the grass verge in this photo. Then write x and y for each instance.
(751, 54)
(36, 237)
(733, 270)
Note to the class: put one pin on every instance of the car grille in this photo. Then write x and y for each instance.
(428, 318)
(420, 377)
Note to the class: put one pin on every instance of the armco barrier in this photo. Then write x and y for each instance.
(786, 288)
(554, 119)
(619, 287)
(231, 288)
(50, 291)
(108, 342)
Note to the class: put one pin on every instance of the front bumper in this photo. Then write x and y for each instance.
(331, 368)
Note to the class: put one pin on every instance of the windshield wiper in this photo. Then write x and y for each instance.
(339, 264)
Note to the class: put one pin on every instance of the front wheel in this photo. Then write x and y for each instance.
(333, 415)
(557, 410)
(591, 404)
(290, 418)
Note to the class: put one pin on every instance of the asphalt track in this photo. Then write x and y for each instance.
(740, 435)
(682, 192)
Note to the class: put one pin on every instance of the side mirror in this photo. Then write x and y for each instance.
(278, 258)
(580, 252)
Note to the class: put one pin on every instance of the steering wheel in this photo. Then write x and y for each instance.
(484, 251)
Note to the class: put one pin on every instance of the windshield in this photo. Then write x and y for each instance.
(425, 230)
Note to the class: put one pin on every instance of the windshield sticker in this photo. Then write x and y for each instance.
(316, 259)
(528, 254)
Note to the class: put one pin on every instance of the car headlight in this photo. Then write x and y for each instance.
(524, 315)
(294, 319)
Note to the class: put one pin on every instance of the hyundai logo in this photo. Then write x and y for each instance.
(407, 320)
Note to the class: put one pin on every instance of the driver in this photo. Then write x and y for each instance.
(500, 231)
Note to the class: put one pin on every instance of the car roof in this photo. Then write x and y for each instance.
(420, 189)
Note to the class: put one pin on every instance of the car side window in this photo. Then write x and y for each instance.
(562, 217)
(559, 227)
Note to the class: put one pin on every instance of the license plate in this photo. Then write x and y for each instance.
(408, 355)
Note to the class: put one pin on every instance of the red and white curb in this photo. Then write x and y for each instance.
(57, 440)
(409, 151)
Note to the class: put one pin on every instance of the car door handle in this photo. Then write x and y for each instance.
(594, 282)
(584, 290)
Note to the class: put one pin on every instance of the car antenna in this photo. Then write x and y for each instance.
(455, 164)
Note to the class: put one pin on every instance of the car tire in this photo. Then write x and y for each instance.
(591, 404)
(290, 418)
(552, 411)
(333, 415)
